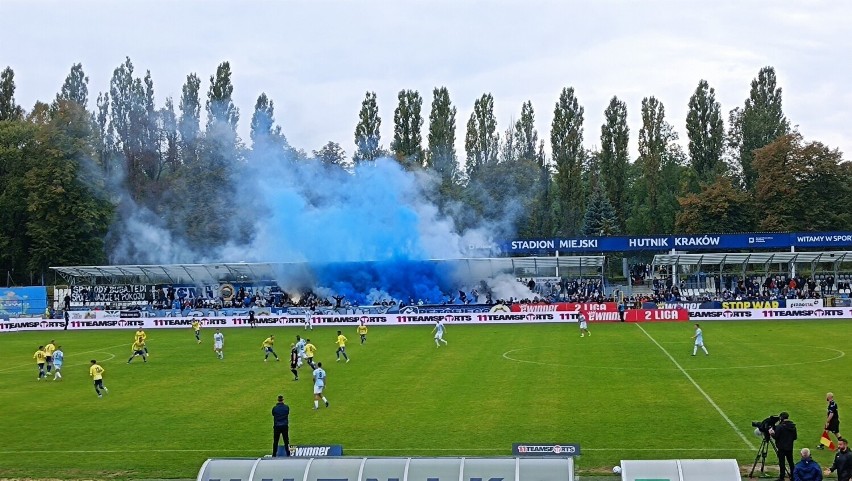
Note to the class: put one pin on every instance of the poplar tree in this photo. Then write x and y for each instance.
(407, 144)
(367, 132)
(566, 144)
(615, 158)
(706, 132)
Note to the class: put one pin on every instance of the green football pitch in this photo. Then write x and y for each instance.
(629, 391)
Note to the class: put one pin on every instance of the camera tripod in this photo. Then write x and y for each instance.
(762, 451)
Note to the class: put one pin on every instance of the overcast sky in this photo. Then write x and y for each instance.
(316, 59)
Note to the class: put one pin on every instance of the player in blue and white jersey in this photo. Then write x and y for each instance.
(319, 385)
(219, 344)
(300, 349)
(439, 334)
(58, 359)
(699, 341)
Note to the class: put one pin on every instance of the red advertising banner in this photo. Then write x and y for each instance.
(567, 307)
(656, 315)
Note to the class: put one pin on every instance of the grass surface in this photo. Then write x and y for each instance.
(617, 394)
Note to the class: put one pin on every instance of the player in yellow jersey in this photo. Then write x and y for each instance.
(362, 331)
(138, 349)
(140, 336)
(196, 326)
(97, 374)
(40, 358)
(267, 347)
(341, 346)
(310, 350)
(49, 348)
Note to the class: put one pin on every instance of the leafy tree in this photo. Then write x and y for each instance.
(525, 134)
(129, 118)
(331, 154)
(705, 129)
(654, 201)
(171, 137)
(719, 207)
(76, 86)
(367, 132)
(802, 186)
(9, 109)
(615, 158)
(760, 122)
(189, 123)
(566, 145)
(67, 219)
(18, 148)
(263, 119)
(482, 142)
(221, 112)
(407, 144)
(106, 151)
(442, 138)
(600, 218)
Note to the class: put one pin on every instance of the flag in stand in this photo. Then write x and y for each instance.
(826, 441)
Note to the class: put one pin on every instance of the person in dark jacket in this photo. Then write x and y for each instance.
(842, 461)
(807, 469)
(785, 435)
(281, 426)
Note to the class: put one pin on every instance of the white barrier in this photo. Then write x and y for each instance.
(389, 469)
(30, 324)
(779, 313)
(681, 470)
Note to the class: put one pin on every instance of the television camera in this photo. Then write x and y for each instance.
(762, 429)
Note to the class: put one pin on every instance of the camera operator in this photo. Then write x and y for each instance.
(784, 434)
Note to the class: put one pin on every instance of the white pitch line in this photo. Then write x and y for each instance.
(706, 396)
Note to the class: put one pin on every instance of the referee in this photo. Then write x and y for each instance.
(281, 426)
(832, 418)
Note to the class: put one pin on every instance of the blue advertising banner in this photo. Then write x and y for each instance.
(679, 242)
(23, 301)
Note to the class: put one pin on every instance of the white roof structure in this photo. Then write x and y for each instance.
(257, 272)
(754, 258)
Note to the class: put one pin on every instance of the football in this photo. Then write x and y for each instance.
(616, 470)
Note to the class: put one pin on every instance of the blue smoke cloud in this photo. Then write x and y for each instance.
(366, 234)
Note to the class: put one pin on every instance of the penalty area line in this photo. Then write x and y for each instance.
(706, 396)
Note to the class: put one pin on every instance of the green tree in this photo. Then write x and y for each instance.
(481, 142)
(442, 139)
(189, 123)
(331, 154)
(706, 132)
(802, 186)
(76, 86)
(566, 145)
(600, 218)
(67, 218)
(367, 132)
(525, 134)
(758, 123)
(720, 206)
(170, 137)
(615, 158)
(649, 200)
(9, 109)
(222, 114)
(262, 120)
(407, 144)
